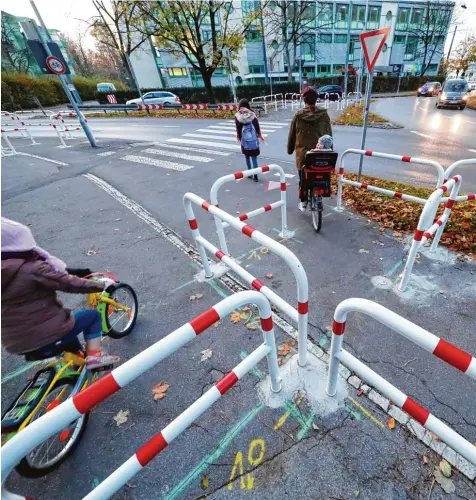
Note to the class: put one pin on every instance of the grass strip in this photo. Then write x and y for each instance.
(354, 115)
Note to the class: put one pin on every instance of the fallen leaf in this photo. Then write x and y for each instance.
(130, 485)
(121, 417)
(246, 309)
(391, 423)
(206, 354)
(362, 250)
(251, 326)
(196, 296)
(91, 252)
(159, 390)
(446, 484)
(204, 482)
(284, 349)
(360, 392)
(445, 468)
(243, 315)
(269, 275)
(424, 459)
(235, 317)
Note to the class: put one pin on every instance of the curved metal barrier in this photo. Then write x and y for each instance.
(285, 233)
(301, 312)
(456, 164)
(69, 411)
(431, 343)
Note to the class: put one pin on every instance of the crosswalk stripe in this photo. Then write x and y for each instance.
(231, 126)
(275, 124)
(229, 132)
(232, 129)
(196, 150)
(174, 154)
(203, 136)
(157, 163)
(183, 140)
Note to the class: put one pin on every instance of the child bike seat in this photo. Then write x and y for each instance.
(54, 349)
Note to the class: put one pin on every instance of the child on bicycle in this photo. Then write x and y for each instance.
(32, 315)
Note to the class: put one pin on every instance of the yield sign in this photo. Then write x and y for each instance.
(372, 43)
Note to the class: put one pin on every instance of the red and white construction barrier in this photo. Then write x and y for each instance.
(275, 247)
(285, 233)
(228, 107)
(387, 192)
(449, 171)
(57, 419)
(431, 343)
(9, 150)
(426, 227)
(22, 130)
(194, 106)
(149, 106)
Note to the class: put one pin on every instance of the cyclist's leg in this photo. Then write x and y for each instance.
(254, 159)
(248, 162)
(302, 193)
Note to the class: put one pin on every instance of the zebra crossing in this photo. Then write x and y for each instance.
(180, 153)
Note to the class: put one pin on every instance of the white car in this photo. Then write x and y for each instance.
(158, 97)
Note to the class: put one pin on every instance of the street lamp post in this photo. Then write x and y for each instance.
(346, 69)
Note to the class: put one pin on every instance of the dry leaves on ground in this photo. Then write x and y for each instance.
(445, 468)
(204, 482)
(391, 423)
(196, 296)
(159, 390)
(285, 347)
(206, 354)
(235, 317)
(251, 326)
(121, 417)
(446, 483)
(269, 275)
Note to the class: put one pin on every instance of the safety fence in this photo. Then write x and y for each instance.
(431, 343)
(352, 98)
(220, 225)
(214, 107)
(57, 419)
(269, 100)
(300, 314)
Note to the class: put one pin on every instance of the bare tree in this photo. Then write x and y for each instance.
(464, 53)
(293, 24)
(427, 29)
(14, 58)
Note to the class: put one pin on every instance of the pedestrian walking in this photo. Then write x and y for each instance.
(248, 134)
(308, 125)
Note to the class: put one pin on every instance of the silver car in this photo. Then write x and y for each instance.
(454, 93)
(157, 97)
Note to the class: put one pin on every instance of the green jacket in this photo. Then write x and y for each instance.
(306, 128)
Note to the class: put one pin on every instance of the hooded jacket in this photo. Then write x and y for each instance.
(32, 315)
(307, 126)
(242, 117)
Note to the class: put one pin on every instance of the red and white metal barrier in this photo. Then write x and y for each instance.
(406, 159)
(280, 250)
(149, 106)
(9, 150)
(357, 99)
(21, 130)
(449, 171)
(426, 227)
(228, 107)
(69, 411)
(219, 107)
(431, 343)
(194, 106)
(285, 233)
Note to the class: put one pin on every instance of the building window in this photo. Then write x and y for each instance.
(342, 15)
(272, 5)
(256, 69)
(358, 14)
(373, 18)
(399, 39)
(308, 48)
(229, 7)
(324, 38)
(324, 68)
(338, 68)
(417, 16)
(389, 15)
(275, 45)
(220, 71)
(324, 15)
(432, 68)
(385, 47)
(340, 38)
(439, 40)
(177, 72)
(250, 6)
(410, 49)
(403, 16)
(253, 35)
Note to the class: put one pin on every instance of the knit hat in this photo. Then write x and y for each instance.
(325, 142)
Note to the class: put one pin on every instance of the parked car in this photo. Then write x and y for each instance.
(105, 87)
(472, 85)
(158, 97)
(429, 89)
(329, 89)
(454, 93)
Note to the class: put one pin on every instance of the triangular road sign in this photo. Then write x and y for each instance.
(372, 43)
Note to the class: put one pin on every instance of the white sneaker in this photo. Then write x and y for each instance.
(302, 206)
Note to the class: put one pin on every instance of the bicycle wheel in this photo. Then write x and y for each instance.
(119, 322)
(316, 210)
(50, 454)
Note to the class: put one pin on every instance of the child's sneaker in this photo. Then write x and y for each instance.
(102, 359)
(302, 206)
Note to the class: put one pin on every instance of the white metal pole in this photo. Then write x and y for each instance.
(366, 118)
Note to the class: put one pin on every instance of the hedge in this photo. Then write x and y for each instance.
(18, 90)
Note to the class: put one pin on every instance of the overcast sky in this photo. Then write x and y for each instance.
(64, 15)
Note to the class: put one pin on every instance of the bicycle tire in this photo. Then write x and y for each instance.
(26, 468)
(316, 212)
(111, 330)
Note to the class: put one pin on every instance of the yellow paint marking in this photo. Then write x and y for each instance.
(366, 412)
(257, 447)
(286, 414)
(237, 465)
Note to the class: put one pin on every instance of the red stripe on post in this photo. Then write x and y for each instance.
(444, 189)
(257, 284)
(243, 217)
(450, 203)
(364, 186)
(406, 158)
(455, 178)
(227, 382)
(471, 196)
(267, 324)
(219, 254)
(201, 322)
(303, 307)
(265, 168)
(427, 235)
(453, 355)
(338, 328)
(417, 411)
(341, 171)
(418, 235)
(368, 153)
(398, 195)
(95, 393)
(267, 208)
(283, 186)
(206, 205)
(248, 230)
(151, 449)
(193, 224)
(238, 175)
(439, 222)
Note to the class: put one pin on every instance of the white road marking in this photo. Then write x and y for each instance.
(196, 150)
(263, 129)
(472, 150)
(143, 144)
(422, 135)
(107, 153)
(157, 163)
(229, 132)
(175, 154)
(203, 136)
(274, 124)
(205, 143)
(46, 159)
(289, 176)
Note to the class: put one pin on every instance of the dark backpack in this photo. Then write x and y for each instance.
(249, 137)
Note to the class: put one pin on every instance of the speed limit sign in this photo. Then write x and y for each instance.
(56, 65)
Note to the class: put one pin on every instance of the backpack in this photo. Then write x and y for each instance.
(249, 137)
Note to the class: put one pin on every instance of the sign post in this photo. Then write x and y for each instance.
(372, 43)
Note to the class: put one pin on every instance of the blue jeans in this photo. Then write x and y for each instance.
(250, 159)
(87, 321)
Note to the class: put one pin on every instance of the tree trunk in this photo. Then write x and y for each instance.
(129, 72)
(207, 80)
(290, 68)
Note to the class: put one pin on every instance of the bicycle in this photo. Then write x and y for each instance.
(63, 377)
(316, 182)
